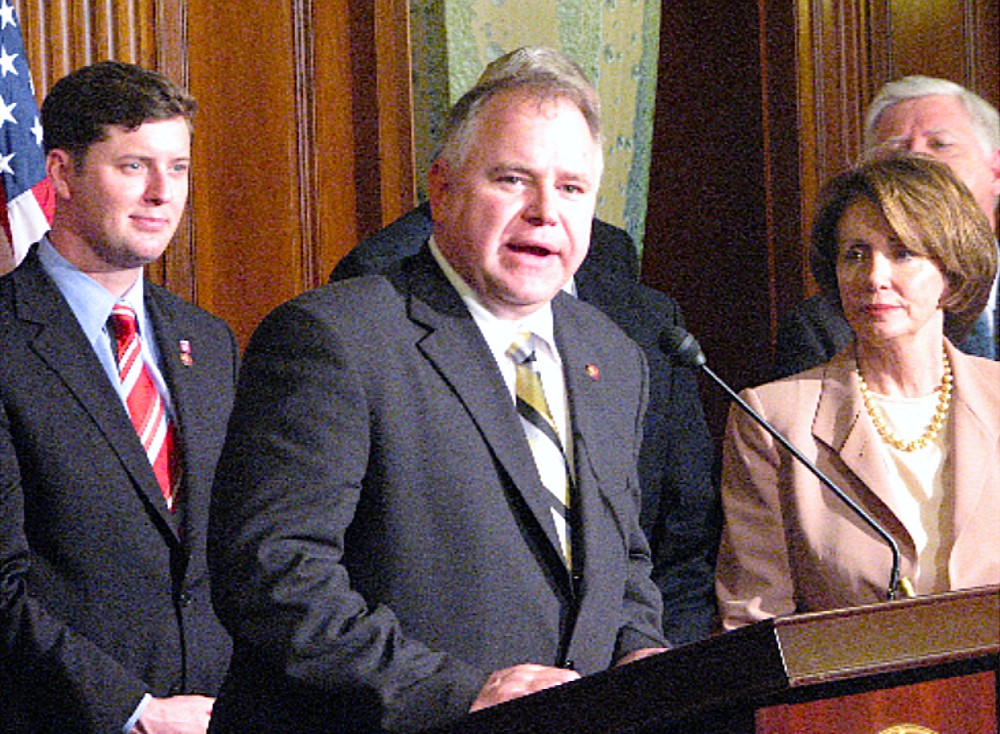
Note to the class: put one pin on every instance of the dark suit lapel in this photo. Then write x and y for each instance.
(179, 367)
(981, 341)
(588, 395)
(456, 348)
(62, 346)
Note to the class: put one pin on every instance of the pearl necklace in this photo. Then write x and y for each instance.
(933, 428)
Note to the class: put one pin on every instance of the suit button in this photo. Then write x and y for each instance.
(175, 690)
(184, 599)
(569, 665)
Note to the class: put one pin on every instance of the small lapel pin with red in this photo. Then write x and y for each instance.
(595, 374)
(185, 347)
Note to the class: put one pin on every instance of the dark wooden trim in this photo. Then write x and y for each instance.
(395, 101)
(363, 125)
(170, 50)
(781, 143)
(306, 141)
(365, 111)
(383, 111)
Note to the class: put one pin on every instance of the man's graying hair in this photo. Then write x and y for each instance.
(983, 116)
(537, 73)
(539, 58)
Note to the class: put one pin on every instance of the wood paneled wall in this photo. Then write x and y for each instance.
(757, 106)
(303, 139)
(303, 144)
(706, 222)
(63, 35)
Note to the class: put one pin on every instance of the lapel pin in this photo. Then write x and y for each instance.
(185, 347)
(595, 374)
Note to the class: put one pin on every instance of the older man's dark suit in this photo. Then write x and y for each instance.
(380, 538)
(104, 594)
(680, 504)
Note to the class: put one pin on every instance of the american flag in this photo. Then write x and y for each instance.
(26, 207)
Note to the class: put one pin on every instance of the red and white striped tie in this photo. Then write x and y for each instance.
(145, 406)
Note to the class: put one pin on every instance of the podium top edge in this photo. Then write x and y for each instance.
(891, 636)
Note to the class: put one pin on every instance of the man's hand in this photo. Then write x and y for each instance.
(643, 652)
(175, 715)
(511, 683)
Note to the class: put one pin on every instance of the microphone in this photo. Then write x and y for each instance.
(684, 350)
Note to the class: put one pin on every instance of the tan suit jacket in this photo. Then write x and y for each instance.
(790, 545)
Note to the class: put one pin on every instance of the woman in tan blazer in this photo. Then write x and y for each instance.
(906, 425)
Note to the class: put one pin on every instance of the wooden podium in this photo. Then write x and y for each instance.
(905, 667)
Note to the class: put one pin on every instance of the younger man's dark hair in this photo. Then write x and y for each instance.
(82, 105)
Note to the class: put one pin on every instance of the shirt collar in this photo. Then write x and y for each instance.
(90, 301)
(499, 333)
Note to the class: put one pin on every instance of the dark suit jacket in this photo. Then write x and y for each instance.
(680, 498)
(104, 593)
(809, 335)
(380, 540)
(815, 330)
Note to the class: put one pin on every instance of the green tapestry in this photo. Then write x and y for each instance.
(615, 41)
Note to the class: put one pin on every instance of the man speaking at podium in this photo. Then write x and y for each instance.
(428, 499)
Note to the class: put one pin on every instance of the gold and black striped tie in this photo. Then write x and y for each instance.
(542, 434)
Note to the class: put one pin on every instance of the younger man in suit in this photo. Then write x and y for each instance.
(114, 397)
(402, 531)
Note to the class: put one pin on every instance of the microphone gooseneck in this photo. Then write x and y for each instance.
(683, 348)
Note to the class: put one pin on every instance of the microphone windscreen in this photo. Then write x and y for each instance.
(680, 346)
